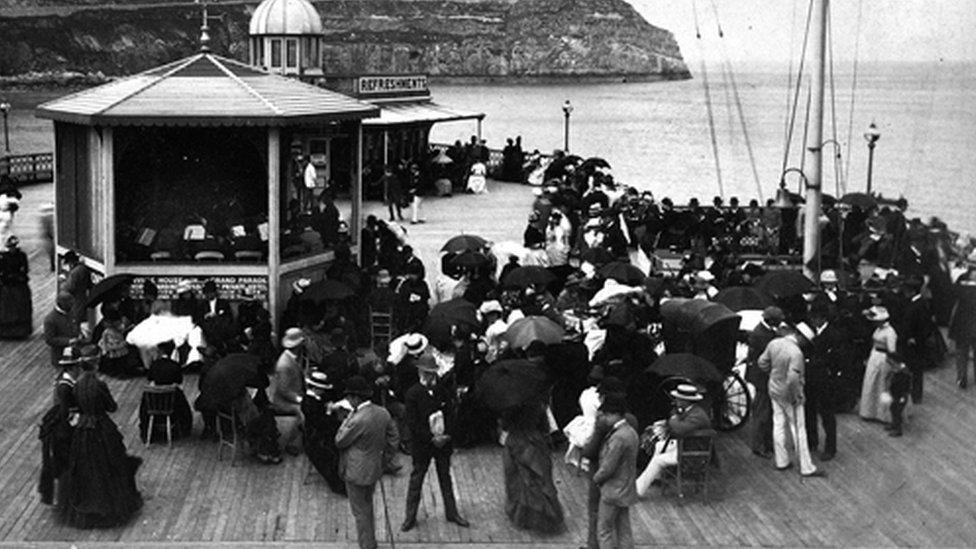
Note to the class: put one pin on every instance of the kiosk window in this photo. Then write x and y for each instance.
(276, 53)
(292, 53)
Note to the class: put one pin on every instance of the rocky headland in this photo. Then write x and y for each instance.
(449, 39)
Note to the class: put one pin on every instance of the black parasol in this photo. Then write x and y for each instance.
(595, 162)
(228, 377)
(781, 284)
(508, 384)
(686, 365)
(326, 290)
(524, 331)
(596, 256)
(861, 200)
(464, 243)
(740, 298)
(469, 259)
(530, 275)
(446, 318)
(624, 273)
(106, 287)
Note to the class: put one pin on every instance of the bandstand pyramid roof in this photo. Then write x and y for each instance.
(205, 90)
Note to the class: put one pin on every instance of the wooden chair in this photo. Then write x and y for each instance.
(695, 452)
(160, 401)
(228, 434)
(380, 327)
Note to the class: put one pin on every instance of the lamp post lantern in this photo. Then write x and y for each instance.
(872, 136)
(5, 108)
(567, 110)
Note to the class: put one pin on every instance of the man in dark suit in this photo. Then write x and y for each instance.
(60, 328)
(762, 410)
(962, 325)
(362, 439)
(823, 357)
(616, 476)
(426, 401)
(915, 328)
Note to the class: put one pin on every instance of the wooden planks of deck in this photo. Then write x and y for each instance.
(914, 491)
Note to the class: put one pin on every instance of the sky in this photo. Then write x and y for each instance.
(764, 30)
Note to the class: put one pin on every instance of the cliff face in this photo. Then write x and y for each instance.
(458, 38)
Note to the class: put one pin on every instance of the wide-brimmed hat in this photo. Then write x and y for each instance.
(805, 331)
(415, 343)
(704, 276)
(185, 285)
(427, 364)
(828, 277)
(356, 385)
(687, 391)
(490, 306)
(293, 338)
(318, 380)
(299, 285)
(877, 314)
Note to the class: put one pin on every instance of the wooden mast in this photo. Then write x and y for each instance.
(814, 158)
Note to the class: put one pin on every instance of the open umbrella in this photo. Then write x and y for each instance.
(739, 298)
(510, 383)
(780, 284)
(524, 331)
(523, 277)
(595, 162)
(686, 365)
(456, 311)
(228, 377)
(463, 243)
(106, 287)
(558, 167)
(624, 273)
(469, 259)
(326, 290)
(861, 200)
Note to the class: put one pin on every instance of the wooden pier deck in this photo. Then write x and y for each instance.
(919, 490)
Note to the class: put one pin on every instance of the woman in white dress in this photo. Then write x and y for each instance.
(477, 183)
(884, 341)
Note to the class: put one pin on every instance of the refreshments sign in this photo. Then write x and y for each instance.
(408, 84)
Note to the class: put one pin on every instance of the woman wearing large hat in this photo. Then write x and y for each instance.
(884, 342)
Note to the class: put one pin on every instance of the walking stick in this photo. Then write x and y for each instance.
(386, 514)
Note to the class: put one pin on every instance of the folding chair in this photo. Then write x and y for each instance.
(160, 401)
(380, 327)
(695, 453)
(228, 433)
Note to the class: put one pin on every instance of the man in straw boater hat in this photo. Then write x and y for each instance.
(689, 418)
(287, 386)
(400, 374)
(322, 419)
(362, 439)
(784, 360)
(430, 414)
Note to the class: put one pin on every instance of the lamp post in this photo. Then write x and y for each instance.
(567, 110)
(872, 136)
(5, 109)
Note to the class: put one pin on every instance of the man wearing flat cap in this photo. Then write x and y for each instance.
(363, 438)
(430, 413)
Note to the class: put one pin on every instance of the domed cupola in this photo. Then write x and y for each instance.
(286, 37)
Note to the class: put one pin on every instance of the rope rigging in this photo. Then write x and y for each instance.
(729, 74)
(708, 103)
(796, 96)
(850, 125)
(833, 106)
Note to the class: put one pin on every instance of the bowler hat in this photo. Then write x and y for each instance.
(614, 404)
(356, 385)
(426, 363)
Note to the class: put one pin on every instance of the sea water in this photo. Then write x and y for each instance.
(656, 135)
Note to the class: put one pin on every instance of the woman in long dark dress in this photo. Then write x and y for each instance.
(16, 311)
(55, 429)
(99, 485)
(531, 501)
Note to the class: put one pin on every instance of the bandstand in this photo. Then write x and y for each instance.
(185, 171)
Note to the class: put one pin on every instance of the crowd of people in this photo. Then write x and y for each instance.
(530, 344)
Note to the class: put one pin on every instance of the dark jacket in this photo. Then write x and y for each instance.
(420, 404)
(59, 330)
(363, 438)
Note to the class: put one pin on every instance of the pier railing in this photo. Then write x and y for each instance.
(28, 168)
